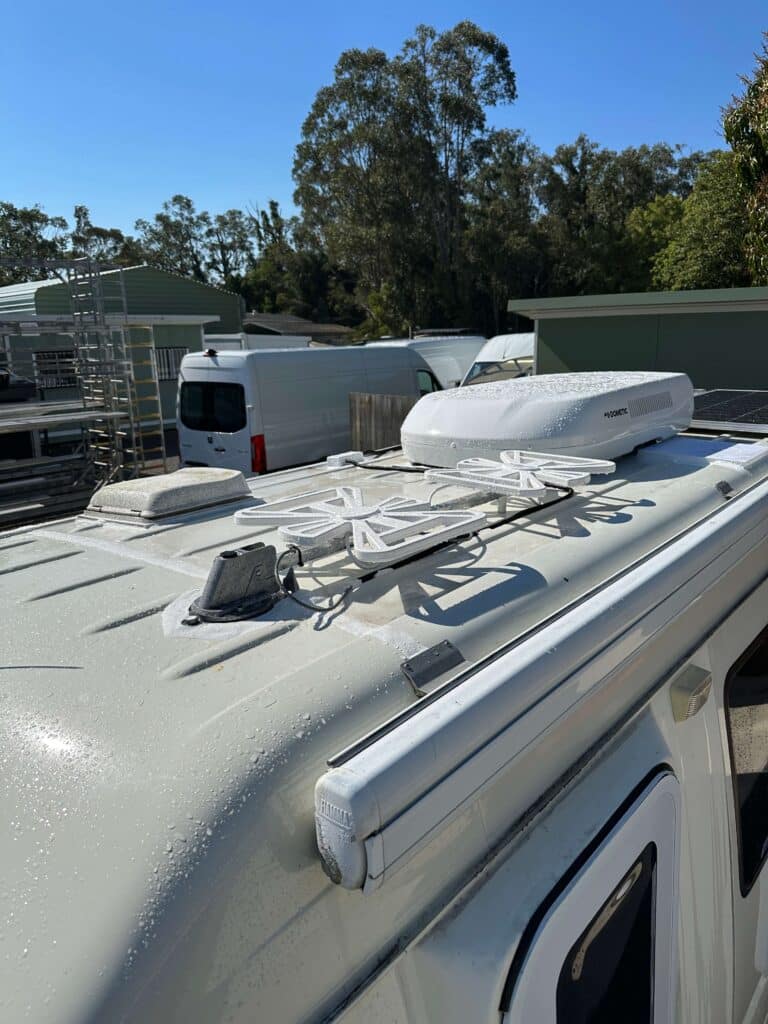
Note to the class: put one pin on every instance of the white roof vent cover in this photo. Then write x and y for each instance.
(381, 531)
(523, 474)
(593, 415)
(153, 497)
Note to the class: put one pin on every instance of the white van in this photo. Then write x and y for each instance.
(449, 358)
(269, 409)
(503, 357)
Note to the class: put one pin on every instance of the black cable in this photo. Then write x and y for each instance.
(520, 513)
(565, 492)
(391, 469)
(334, 603)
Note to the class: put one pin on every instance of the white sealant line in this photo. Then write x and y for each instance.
(123, 551)
(397, 639)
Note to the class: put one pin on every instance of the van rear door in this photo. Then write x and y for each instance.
(214, 421)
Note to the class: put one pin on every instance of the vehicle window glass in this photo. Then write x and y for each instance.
(508, 369)
(608, 974)
(213, 406)
(746, 706)
(427, 383)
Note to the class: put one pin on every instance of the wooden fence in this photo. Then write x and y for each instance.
(375, 420)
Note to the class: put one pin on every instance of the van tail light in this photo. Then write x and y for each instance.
(258, 454)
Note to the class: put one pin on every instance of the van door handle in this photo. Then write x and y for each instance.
(219, 449)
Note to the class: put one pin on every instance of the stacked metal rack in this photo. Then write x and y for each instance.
(117, 415)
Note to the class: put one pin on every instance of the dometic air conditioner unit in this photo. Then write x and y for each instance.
(595, 415)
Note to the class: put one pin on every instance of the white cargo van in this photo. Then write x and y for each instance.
(269, 409)
(449, 358)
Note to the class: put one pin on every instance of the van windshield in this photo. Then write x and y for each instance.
(506, 369)
(213, 406)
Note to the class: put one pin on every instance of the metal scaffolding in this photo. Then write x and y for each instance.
(114, 365)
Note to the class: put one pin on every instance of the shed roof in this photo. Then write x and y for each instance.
(20, 298)
(287, 323)
(23, 297)
(710, 300)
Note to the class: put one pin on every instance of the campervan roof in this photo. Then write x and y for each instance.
(143, 747)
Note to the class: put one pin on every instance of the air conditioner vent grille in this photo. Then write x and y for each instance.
(650, 403)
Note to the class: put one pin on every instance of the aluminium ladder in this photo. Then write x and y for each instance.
(118, 373)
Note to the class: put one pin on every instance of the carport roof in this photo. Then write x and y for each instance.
(710, 300)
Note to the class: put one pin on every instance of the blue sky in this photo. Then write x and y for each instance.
(120, 105)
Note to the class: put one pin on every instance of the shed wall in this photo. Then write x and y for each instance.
(154, 293)
(727, 350)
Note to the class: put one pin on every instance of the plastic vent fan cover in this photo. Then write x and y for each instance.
(381, 533)
(523, 474)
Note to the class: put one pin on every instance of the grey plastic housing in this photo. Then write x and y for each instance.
(241, 584)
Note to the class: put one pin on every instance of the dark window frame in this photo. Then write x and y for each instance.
(437, 386)
(744, 887)
(208, 406)
(647, 858)
(531, 930)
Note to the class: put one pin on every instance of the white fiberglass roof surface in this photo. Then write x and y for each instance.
(139, 754)
(95, 587)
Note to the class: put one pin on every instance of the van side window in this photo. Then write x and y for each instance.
(746, 708)
(427, 383)
(212, 406)
(608, 973)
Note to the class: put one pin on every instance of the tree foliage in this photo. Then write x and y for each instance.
(414, 210)
(384, 166)
(175, 239)
(107, 245)
(503, 241)
(745, 123)
(706, 236)
(28, 233)
(588, 195)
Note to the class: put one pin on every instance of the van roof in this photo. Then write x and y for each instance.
(507, 346)
(420, 342)
(234, 357)
(138, 749)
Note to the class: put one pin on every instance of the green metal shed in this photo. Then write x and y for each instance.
(719, 337)
(149, 293)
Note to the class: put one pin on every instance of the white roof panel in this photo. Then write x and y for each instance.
(158, 776)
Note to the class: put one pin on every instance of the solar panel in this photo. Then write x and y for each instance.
(733, 407)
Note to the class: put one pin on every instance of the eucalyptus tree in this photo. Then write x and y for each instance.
(29, 233)
(588, 194)
(230, 240)
(502, 243)
(745, 123)
(106, 245)
(454, 77)
(706, 248)
(175, 239)
(382, 167)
